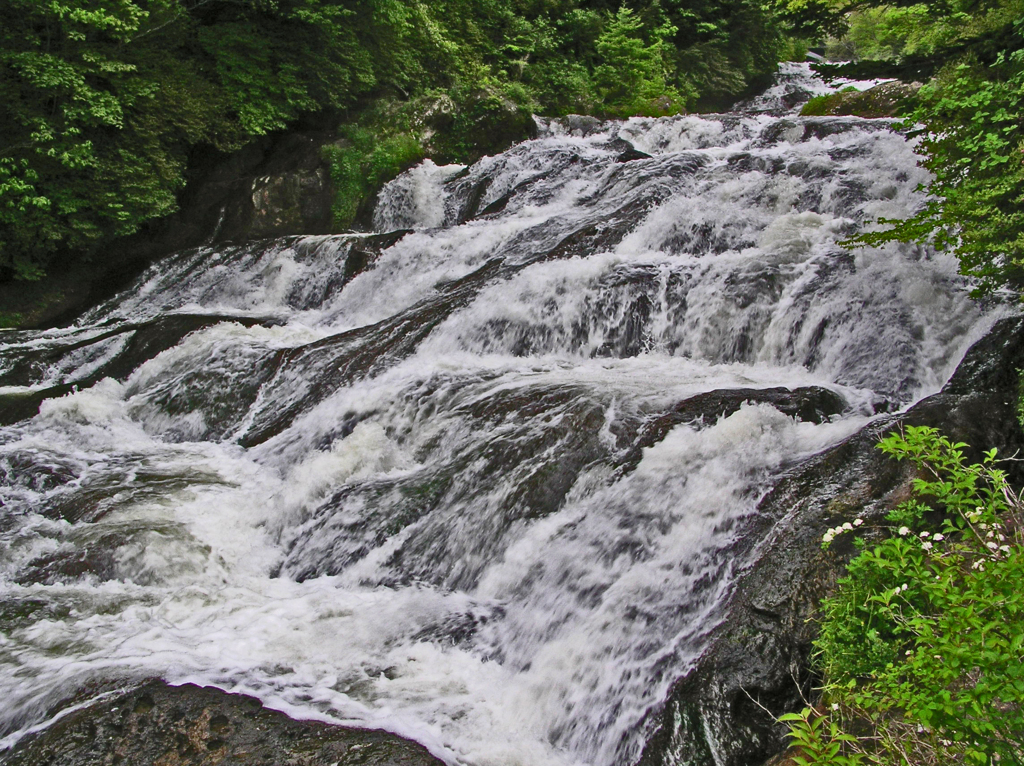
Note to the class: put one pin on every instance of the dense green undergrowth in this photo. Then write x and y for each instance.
(107, 101)
(922, 643)
(361, 162)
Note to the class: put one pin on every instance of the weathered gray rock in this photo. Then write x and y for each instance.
(290, 202)
(289, 192)
(581, 124)
(757, 667)
(160, 725)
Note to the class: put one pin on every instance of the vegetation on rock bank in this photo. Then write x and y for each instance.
(108, 103)
(921, 642)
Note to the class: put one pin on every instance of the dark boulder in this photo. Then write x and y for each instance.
(157, 724)
(28, 366)
(810, 404)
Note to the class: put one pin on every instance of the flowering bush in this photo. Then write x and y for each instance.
(922, 644)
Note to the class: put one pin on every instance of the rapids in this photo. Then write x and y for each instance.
(474, 482)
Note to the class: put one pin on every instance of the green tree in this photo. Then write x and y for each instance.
(105, 100)
(632, 76)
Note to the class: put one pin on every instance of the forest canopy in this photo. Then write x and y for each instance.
(105, 101)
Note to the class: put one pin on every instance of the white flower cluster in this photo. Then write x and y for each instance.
(927, 538)
(832, 532)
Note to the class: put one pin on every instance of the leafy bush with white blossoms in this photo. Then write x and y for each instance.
(922, 644)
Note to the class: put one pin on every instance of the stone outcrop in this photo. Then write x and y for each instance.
(155, 724)
(890, 99)
(757, 667)
(292, 195)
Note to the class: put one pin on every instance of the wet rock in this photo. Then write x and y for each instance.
(810, 404)
(468, 191)
(602, 232)
(362, 254)
(745, 163)
(138, 343)
(365, 254)
(537, 469)
(97, 560)
(890, 99)
(316, 370)
(160, 725)
(582, 125)
(632, 154)
(758, 658)
(36, 469)
(21, 405)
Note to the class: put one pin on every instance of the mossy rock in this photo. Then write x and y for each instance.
(890, 99)
(160, 725)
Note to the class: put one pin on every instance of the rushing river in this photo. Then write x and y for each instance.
(443, 482)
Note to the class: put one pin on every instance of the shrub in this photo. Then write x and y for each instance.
(363, 162)
(922, 643)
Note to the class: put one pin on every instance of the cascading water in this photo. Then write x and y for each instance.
(477, 481)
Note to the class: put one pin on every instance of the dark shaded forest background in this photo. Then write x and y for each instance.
(109, 106)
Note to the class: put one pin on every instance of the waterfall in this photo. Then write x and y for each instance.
(475, 477)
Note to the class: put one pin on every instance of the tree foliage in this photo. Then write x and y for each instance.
(106, 101)
(974, 145)
(969, 117)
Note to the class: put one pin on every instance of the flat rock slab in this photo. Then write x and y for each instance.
(160, 725)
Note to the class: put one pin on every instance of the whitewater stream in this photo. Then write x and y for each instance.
(473, 478)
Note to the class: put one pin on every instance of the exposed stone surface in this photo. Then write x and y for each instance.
(27, 367)
(811, 404)
(631, 155)
(581, 124)
(890, 99)
(160, 725)
(758, 656)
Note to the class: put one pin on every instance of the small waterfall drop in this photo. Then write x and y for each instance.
(474, 478)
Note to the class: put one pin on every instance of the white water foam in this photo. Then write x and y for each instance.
(459, 540)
